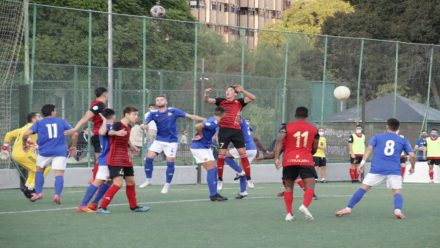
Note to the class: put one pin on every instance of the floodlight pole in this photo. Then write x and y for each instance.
(110, 56)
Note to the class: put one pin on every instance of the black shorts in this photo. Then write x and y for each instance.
(434, 161)
(403, 159)
(292, 172)
(95, 143)
(120, 171)
(230, 135)
(320, 162)
(356, 160)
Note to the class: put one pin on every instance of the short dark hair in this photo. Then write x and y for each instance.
(107, 113)
(359, 125)
(301, 112)
(99, 91)
(151, 105)
(434, 129)
(233, 87)
(31, 116)
(219, 111)
(393, 124)
(129, 109)
(47, 110)
(164, 96)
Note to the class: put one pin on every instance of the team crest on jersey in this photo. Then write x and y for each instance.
(95, 107)
(297, 156)
(170, 114)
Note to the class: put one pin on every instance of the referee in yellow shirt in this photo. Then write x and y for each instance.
(26, 159)
(319, 157)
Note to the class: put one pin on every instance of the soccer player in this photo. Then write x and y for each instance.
(319, 156)
(386, 149)
(356, 148)
(25, 159)
(230, 128)
(251, 153)
(101, 183)
(419, 147)
(432, 145)
(201, 150)
(52, 148)
(299, 141)
(166, 139)
(119, 163)
(96, 107)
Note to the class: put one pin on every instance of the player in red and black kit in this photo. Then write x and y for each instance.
(299, 141)
(96, 107)
(119, 162)
(230, 128)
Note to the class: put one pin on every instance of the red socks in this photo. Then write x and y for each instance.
(131, 195)
(402, 171)
(288, 201)
(431, 174)
(111, 192)
(300, 183)
(246, 165)
(353, 174)
(220, 166)
(308, 196)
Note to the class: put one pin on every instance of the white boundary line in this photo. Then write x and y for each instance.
(148, 203)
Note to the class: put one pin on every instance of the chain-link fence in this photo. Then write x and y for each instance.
(181, 59)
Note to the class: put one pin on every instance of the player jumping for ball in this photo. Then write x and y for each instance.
(230, 128)
(386, 149)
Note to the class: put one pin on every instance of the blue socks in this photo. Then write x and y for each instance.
(243, 183)
(211, 180)
(89, 194)
(398, 201)
(148, 167)
(39, 182)
(357, 196)
(101, 192)
(231, 162)
(170, 172)
(59, 183)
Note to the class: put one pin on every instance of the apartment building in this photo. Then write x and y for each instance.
(227, 17)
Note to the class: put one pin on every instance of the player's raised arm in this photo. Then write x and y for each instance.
(25, 137)
(195, 117)
(249, 97)
(208, 99)
(84, 119)
(116, 130)
(279, 145)
(103, 127)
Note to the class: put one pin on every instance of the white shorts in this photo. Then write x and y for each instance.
(251, 154)
(202, 155)
(58, 163)
(170, 149)
(103, 173)
(393, 181)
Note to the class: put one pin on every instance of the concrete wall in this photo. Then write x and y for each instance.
(78, 177)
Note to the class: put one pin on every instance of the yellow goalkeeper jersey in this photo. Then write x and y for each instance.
(322, 145)
(17, 134)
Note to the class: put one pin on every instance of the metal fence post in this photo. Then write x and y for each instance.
(284, 94)
(34, 32)
(358, 91)
(89, 86)
(324, 78)
(243, 47)
(428, 97)
(396, 73)
(196, 34)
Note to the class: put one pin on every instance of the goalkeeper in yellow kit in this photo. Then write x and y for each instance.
(26, 159)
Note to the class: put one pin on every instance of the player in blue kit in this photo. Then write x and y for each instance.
(201, 150)
(166, 138)
(52, 149)
(386, 149)
(101, 182)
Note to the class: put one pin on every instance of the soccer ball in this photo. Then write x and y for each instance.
(342, 93)
(158, 11)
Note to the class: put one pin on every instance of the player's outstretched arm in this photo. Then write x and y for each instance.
(249, 97)
(86, 117)
(73, 146)
(279, 147)
(103, 127)
(208, 99)
(195, 117)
